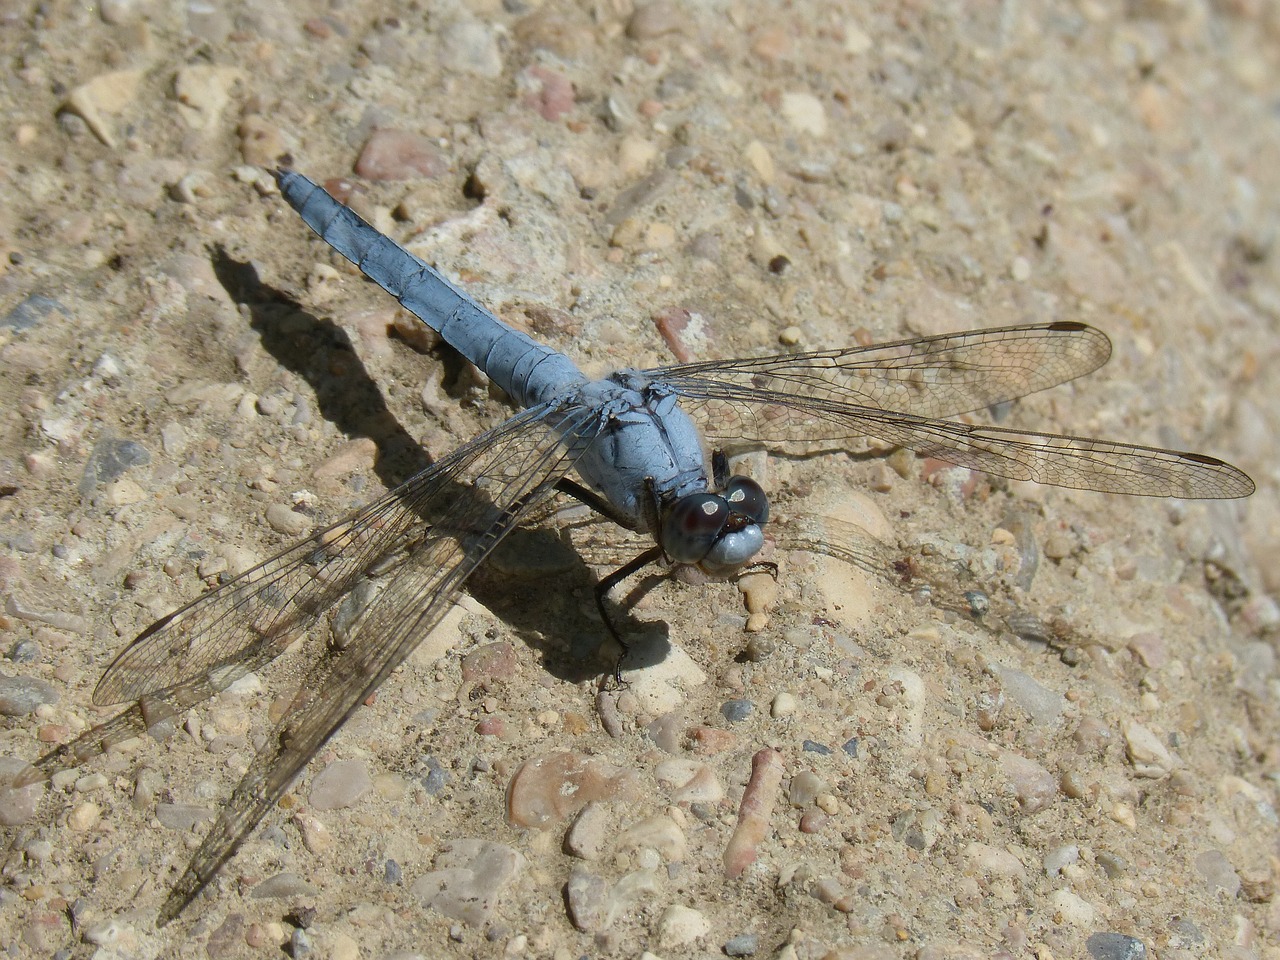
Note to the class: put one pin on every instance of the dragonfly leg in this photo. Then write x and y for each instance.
(602, 592)
(766, 566)
(593, 500)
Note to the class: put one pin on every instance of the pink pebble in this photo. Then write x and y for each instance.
(754, 812)
(398, 155)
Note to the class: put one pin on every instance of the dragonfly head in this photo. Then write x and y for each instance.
(717, 532)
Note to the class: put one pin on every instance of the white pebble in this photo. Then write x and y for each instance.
(680, 925)
(784, 705)
(84, 816)
(805, 113)
(1072, 909)
(757, 154)
(283, 519)
(1060, 857)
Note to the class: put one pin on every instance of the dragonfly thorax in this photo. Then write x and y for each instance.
(718, 532)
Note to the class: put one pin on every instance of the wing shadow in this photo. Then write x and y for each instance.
(321, 353)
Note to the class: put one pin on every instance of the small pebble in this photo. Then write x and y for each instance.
(757, 154)
(587, 900)
(203, 91)
(1148, 755)
(468, 879)
(1123, 813)
(1060, 857)
(736, 711)
(30, 311)
(549, 93)
(471, 47)
(754, 812)
(284, 519)
(659, 833)
(108, 933)
(680, 925)
(1033, 785)
(1073, 784)
(315, 835)
(340, 785)
(689, 781)
(805, 787)
(813, 821)
(1218, 873)
(262, 144)
(1071, 908)
(493, 661)
(183, 817)
(743, 945)
(110, 458)
(20, 696)
(17, 805)
(1115, 946)
(436, 777)
(103, 96)
(398, 155)
(284, 884)
(984, 858)
(84, 816)
(551, 788)
(805, 113)
(589, 833)
(784, 705)
(654, 19)
(300, 945)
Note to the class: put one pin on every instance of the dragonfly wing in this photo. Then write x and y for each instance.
(195, 652)
(516, 468)
(840, 540)
(1064, 461)
(252, 618)
(926, 377)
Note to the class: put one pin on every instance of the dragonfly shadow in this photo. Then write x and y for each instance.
(321, 353)
(518, 584)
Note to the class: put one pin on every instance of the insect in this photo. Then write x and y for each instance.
(630, 446)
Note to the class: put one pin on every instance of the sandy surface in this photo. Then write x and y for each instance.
(192, 381)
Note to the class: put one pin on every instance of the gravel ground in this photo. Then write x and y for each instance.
(1058, 741)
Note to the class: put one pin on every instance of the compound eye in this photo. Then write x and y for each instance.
(747, 498)
(692, 525)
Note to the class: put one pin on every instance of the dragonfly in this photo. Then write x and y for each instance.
(633, 446)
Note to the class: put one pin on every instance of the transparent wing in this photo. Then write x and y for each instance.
(927, 377)
(516, 468)
(834, 400)
(193, 653)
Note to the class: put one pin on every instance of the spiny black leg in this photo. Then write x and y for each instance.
(602, 591)
(768, 565)
(593, 500)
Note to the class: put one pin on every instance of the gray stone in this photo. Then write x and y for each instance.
(19, 696)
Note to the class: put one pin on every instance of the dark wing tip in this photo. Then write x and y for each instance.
(1075, 326)
(1225, 480)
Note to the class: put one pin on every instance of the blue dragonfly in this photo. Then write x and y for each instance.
(631, 446)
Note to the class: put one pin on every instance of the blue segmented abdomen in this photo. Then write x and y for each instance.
(528, 371)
